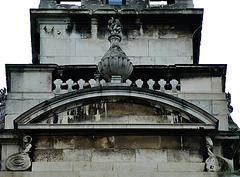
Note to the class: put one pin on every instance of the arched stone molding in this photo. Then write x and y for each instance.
(70, 100)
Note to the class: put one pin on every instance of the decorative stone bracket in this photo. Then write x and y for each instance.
(20, 161)
(215, 163)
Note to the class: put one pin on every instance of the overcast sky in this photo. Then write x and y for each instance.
(219, 45)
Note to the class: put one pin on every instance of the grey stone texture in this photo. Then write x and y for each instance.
(118, 155)
(76, 135)
(151, 47)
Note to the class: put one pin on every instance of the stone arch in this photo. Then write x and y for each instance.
(153, 98)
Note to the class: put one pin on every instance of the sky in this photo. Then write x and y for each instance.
(219, 44)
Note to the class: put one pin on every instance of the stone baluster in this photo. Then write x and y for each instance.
(150, 83)
(129, 82)
(174, 83)
(92, 82)
(102, 82)
(69, 83)
(80, 83)
(162, 83)
(57, 83)
(139, 83)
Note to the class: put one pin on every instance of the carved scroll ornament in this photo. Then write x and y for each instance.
(20, 161)
(215, 163)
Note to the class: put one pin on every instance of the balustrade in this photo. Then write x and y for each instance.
(159, 78)
(170, 86)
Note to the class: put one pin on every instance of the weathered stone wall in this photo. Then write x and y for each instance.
(74, 42)
(206, 92)
(27, 87)
(118, 155)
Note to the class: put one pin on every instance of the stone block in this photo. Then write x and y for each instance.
(16, 107)
(31, 81)
(134, 173)
(151, 155)
(217, 84)
(143, 166)
(91, 47)
(163, 47)
(135, 60)
(94, 166)
(147, 61)
(104, 142)
(59, 174)
(220, 107)
(43, 142)
(21, 174)
(201, 96)
(57, 47)
(82, 166)
(223, 122)
(69, 60)
(137, 142)
(83, 61)
(168, 60)
(83, 142)
(185, 47)
(48, 155)
(47, 60)
(184, 174)
(170, 142)
(30, 96)
(98, 174)
(63, 142)
(200, 84)
(52, 166)
(113, 155)
(178, 156)
(39, 174)
(9, 121)
(204, 104)
(77, 155)
(196, 156)
(135, 47)
(192, 142)
(178, 167)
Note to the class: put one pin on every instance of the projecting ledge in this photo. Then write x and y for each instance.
(194, 126)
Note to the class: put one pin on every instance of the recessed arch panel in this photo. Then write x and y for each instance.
(115, 105)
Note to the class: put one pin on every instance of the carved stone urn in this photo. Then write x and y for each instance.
(115, 67)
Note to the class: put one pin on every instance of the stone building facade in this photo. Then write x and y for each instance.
(115, 88)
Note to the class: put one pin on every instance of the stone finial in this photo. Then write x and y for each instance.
(20, 161)
(115, 67)
(114, 26)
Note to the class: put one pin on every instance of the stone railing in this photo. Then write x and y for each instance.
(161, 85)
(159, 79)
